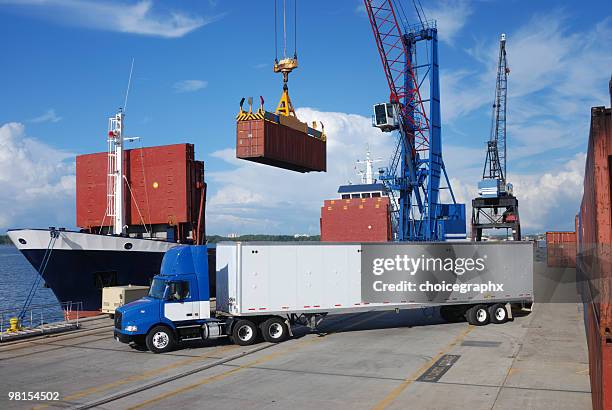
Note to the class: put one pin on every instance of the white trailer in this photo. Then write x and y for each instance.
(303, 282)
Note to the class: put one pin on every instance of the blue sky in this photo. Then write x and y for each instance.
(66, 64)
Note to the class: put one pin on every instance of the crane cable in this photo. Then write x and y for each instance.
(275, 33)
(422, 19)
(285, 29)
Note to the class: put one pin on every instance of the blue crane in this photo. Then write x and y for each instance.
(416, 168)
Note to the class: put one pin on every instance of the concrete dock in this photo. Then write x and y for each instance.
(411, 359)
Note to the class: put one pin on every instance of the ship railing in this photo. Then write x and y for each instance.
(39, 319)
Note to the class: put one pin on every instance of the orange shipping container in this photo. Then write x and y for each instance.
(165, 186)
(278, 145)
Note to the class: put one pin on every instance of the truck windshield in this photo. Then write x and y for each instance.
(157, 289)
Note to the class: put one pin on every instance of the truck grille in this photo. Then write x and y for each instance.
(117, 320)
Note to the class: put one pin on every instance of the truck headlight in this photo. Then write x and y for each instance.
(131, 328)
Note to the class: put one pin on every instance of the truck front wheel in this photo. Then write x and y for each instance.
(160, 339)
(274, 330)
(244, 332)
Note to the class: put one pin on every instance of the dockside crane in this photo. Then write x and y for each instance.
(416, 168)
(496, 206)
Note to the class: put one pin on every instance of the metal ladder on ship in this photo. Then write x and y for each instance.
(54, 233)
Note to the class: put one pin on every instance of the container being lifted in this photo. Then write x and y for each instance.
(279, 138)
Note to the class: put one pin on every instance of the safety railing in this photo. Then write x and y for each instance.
(39, 319)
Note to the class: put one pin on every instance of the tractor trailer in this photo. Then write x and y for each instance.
(263, 288)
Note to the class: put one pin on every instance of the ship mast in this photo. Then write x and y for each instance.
(367, 176)
(115, 207)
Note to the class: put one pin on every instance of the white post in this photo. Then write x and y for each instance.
(119, 210)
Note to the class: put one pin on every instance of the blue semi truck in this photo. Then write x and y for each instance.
(263, 288)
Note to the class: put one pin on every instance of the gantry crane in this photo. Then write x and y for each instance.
(496, 207)
(416, 167)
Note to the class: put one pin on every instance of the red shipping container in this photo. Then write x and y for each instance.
(356, 220)
(165, 186)
(600, 361)
(594, 265)
(561, 249)
(271, 143)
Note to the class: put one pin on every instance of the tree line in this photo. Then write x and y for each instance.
(261, 237)
(4, 239)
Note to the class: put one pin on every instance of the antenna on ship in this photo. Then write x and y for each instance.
(127, 91)
(115, 203)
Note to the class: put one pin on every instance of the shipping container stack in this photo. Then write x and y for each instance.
(165, 192)
(561, 249)
(594, 265)
(363, 214)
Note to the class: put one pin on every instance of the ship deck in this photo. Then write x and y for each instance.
(410, 359)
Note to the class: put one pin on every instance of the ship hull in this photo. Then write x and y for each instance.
(81, 264)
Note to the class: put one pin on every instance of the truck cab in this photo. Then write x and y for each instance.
(177, 306)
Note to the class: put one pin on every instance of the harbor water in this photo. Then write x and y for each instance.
(16, 279)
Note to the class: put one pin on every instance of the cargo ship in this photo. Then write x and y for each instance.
(362, 213)
(132, 205)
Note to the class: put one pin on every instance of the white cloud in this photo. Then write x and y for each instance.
(255, 198)
(550, 201)
(549, 94)
(135, 18)
(37, 181)
(542, 56)
(360, 8)
(49, 116)
(461, 95)
(547, 201)
(187, 86)
(451, 15)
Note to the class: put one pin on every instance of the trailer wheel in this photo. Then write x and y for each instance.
(478, 315)
(274, 330)
(160, 339)
(498, 313)
(244, 332)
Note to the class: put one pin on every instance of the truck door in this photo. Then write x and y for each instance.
(180, 304)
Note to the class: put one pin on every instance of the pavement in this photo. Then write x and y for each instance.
(372, 360)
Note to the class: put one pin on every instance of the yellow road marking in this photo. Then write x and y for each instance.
(140, 376)
(387, 400)
(221, 376)
(512, 370)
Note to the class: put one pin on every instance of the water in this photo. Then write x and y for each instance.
(16, 279)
